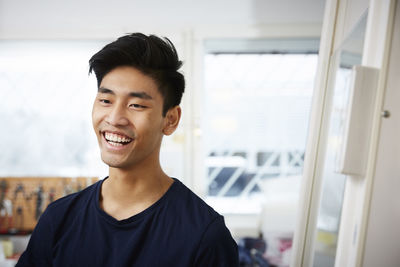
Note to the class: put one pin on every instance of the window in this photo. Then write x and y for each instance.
(257, 103)
(256, 109)
(46, 107)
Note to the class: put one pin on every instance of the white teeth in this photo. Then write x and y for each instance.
(115, 144)
(115, 138)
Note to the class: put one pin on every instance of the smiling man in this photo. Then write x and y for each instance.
(138, 215)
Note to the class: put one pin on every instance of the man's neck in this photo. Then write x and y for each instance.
(128, 192)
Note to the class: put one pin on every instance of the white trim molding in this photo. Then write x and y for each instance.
(311, 186)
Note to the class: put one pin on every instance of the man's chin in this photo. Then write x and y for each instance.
(113, 163)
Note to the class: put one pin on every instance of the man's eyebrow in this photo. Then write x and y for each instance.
(105, 91)
(142, 95)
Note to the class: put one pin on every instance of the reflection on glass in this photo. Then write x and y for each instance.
(349, 54)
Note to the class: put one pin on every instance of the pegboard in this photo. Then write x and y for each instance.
(23, 199)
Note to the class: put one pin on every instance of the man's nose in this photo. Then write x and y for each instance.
(117, 116)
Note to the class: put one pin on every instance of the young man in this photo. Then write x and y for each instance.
(138, 215)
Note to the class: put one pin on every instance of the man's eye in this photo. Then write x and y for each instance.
(105, 101)
(137, 106)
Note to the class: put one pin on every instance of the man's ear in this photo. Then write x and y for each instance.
(171, 120)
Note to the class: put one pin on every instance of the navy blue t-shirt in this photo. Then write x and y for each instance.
(179, 229)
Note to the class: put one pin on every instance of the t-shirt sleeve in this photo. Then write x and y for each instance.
(217, 247)
(39, 249)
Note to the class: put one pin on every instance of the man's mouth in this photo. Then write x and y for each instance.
(116, 139)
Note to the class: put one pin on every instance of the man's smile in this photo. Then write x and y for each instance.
(116, 139)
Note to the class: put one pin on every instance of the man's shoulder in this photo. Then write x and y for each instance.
(200, 228)
(191, 205)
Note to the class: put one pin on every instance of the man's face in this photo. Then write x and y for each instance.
(127, 118)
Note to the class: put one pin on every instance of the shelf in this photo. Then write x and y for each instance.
(15, 232)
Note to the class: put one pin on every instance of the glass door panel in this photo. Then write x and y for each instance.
(333, 183)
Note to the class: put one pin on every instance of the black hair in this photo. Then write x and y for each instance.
(152, 55)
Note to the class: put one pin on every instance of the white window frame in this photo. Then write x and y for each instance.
(350, 247)
(238, 223)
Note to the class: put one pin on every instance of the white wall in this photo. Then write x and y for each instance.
(102, 19)
(383, 232)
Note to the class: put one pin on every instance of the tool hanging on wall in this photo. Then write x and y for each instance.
(5, 207)
(19, 189)
(28, 198)
(3, 191)
(39, 201)
(19, 218)
(52, 194)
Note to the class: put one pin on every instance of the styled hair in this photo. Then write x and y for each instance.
(154, 56)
